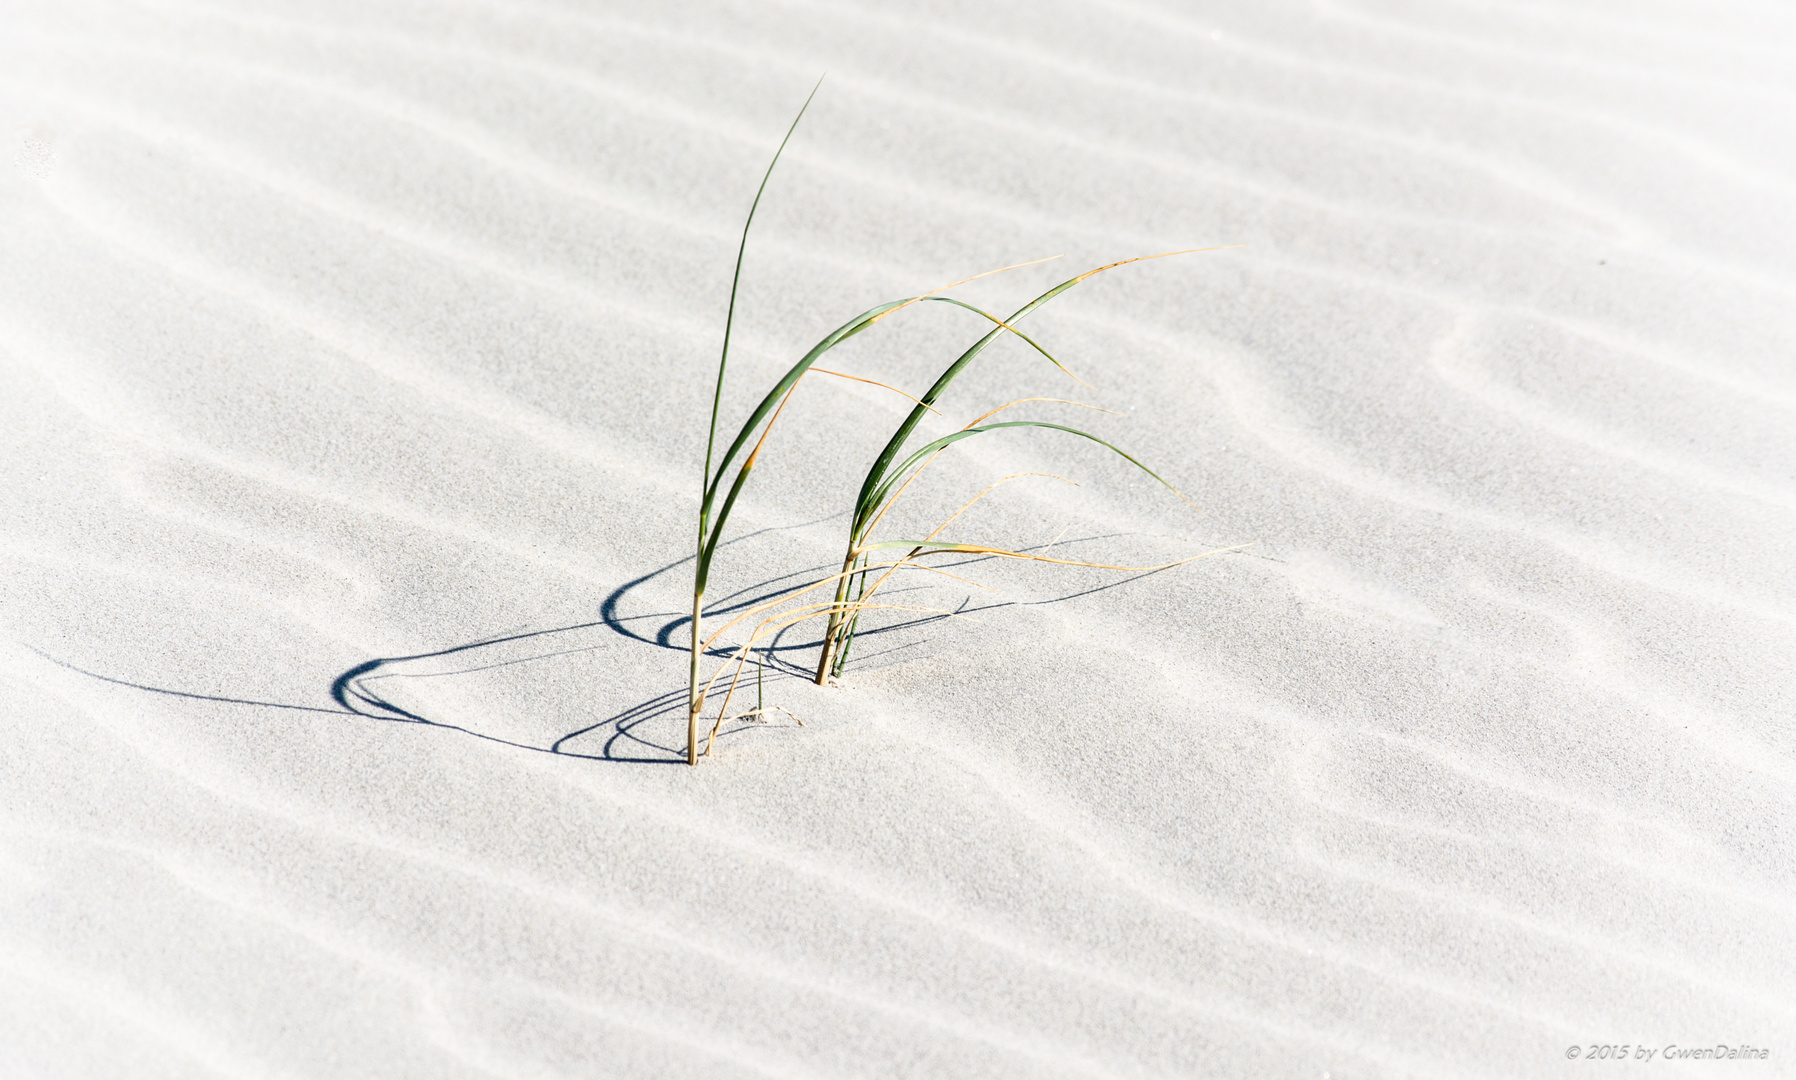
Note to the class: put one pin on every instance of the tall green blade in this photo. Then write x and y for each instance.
(729, 320)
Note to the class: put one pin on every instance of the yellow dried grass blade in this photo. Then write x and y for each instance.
(993, 487)
(1145, 258)
(876, 382)
(963, 281)
(933, 546)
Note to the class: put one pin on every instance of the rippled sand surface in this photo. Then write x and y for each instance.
(356, 360)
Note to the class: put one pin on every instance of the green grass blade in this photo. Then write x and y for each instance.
(729, 320)
(1001, 326)
(866, 502)
(884, 489)
(768, 404)
(713, 529)
(706, 531)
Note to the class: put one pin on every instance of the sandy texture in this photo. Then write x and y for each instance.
(358, 352)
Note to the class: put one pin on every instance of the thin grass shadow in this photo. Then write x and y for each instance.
(649, 731)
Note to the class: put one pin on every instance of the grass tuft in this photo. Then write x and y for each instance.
(892, 473)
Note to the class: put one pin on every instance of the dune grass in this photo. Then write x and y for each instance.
(889, 477)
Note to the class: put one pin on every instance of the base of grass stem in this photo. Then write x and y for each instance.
(693, 700)
(835, 622)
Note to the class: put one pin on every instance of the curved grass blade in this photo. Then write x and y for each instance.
(864, 502)
(872, 496)
(847, 330)
(1002, 325)
(871, 508)
(995, 485)
(713, 530)
(769, 404)
(967, 433)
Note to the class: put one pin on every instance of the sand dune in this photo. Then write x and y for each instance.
(357, 359)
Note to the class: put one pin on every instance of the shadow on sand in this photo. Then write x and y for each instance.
(648, 732)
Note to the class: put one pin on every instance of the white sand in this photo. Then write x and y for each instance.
(339, 332)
